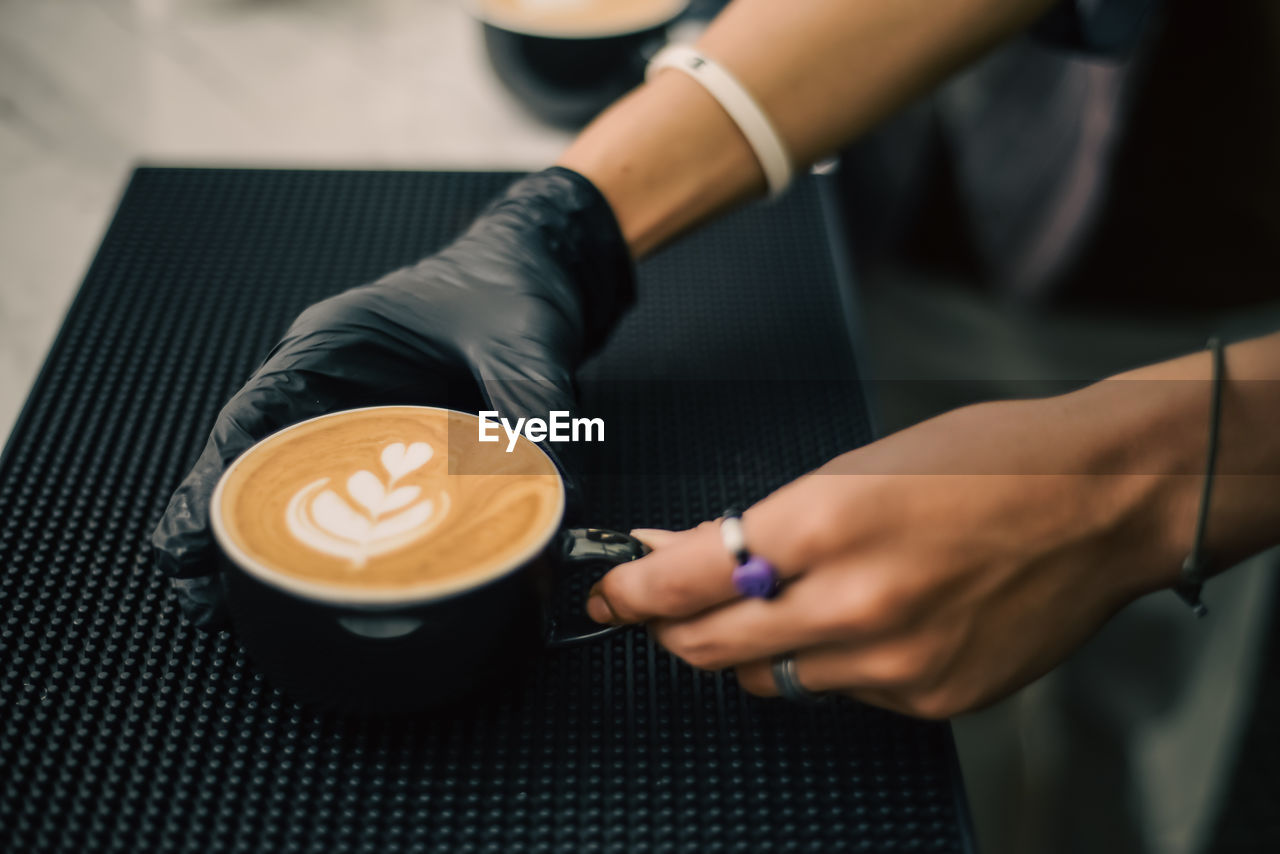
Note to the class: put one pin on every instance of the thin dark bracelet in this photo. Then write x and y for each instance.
(1195, 566)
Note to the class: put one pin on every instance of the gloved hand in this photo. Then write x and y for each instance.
(508, 311)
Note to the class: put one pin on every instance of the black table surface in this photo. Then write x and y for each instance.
(122, 728)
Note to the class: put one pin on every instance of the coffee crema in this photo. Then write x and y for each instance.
(578, 18)
(388, 499)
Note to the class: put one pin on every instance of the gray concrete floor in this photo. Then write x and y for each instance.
(89, 88)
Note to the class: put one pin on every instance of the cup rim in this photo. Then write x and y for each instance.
(510, 24)
(338, 595)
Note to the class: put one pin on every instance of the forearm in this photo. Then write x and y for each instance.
(667, 156)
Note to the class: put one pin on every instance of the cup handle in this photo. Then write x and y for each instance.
(590, 545)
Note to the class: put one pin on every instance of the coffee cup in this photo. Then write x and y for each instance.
(566, 60)
(384, 561)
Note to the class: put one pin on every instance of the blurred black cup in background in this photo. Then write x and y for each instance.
(566, 60)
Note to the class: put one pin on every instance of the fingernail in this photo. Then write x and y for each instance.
(652, 537)
(598, 609)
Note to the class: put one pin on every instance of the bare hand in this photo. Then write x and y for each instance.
(932, 572)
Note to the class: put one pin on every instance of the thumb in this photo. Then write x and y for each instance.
(182, 540)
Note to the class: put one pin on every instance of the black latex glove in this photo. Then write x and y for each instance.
(508, 310)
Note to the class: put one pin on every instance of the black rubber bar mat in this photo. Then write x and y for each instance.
(121, 728)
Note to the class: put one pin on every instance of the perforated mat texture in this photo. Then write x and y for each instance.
(122, 728)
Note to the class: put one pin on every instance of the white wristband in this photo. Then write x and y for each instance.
(740, 106)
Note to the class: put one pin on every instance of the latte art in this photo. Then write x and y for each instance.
(386, 517)
(371, 499)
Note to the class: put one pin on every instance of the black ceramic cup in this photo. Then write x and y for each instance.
(567, 73)
(376, 654)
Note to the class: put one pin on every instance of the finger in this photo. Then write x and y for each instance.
(355, 347)
(597, 607)
(182, 538)
(815, 609)
(202, 602)
(690, 573)
(183, 542)
(796, 527)
(757, 679)
(880, 673)
(654, 538)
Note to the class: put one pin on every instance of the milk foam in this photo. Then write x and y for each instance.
(375, 516)
(384, 502)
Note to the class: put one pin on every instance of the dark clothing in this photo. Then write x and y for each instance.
(1150, 181)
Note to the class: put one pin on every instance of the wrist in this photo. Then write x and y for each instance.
(570, 221)
(1151, 426)
(666, 157)
(1148, 439)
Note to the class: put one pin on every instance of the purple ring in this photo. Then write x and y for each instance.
(756, 578)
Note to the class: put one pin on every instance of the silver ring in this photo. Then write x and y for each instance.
(789, 687)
